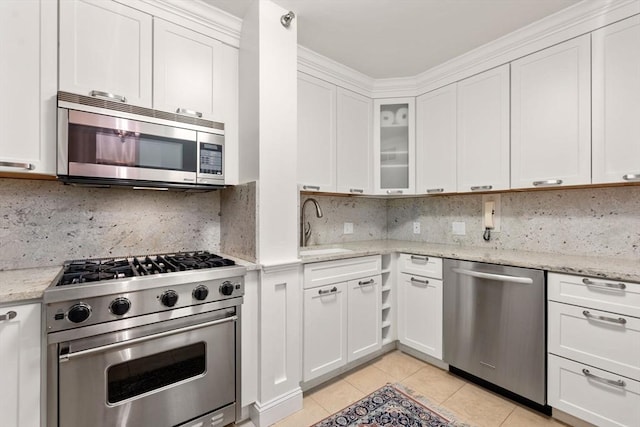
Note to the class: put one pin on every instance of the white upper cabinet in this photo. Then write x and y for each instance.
(106, 48)
(187, 72)
(550, 116)
(394, 146)
(28, 81)
(436, 141)
(616, 102)
(316, 134)
(354, 148)
(483, 131)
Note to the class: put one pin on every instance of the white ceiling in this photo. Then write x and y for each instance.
(401, 38)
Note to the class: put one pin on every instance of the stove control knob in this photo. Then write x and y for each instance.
(200, 292)
(78, 313)
(169, 298)
(120, 306)
(226, 288)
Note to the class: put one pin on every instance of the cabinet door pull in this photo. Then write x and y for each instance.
(590, 282)
(422, 282)
(617, 383)
(619, 320)
(481, 187)
(394, 191)
(547, 182)
(101, 94)
(356, 190)
(311, 187)
(27, 166)
(435, 190)
(424, 259)
(187, 112)
(10, 315)
(631, 177)
(366, 282)
(328, 291)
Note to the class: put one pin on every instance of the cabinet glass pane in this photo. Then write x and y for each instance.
(394, 146)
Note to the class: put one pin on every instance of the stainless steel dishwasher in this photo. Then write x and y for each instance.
(495, 328)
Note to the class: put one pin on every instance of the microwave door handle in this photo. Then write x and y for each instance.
(493, 276)
(68, 356)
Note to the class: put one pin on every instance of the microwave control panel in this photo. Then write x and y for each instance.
(211, 158)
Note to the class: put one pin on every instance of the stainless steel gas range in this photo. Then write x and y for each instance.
(145, 341)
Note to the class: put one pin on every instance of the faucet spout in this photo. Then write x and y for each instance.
(305, 230)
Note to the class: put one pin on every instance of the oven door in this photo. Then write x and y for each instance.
(170, 373)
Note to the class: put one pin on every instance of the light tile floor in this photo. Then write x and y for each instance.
(469, 403)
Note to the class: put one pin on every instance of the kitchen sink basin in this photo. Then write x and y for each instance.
(327, 251)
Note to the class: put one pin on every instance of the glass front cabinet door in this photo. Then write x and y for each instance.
(394, 146)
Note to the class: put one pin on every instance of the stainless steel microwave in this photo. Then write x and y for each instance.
(104, 143)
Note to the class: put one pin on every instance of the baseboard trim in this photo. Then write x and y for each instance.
(268, 413)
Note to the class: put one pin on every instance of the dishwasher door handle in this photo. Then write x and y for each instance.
(493, 276)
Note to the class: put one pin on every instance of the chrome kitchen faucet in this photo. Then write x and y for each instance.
(305, 230)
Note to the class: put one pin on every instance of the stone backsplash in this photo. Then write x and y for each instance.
(587, 221)
(44, 223)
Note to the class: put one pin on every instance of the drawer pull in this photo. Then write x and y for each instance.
(424, 259)
(366, 282)
(590, 282)
(617, 383)
(481, 187)
(631, 177)
(311, 187)
(435, 190)
(619, 320)
(328, 291)
(187, 112)
(111, 96)
(547, 182)
(27, 166)
(10, 315)
(394, 191)
(422, 282)
(356, 190)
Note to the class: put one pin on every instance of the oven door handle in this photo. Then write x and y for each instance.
(68, 356)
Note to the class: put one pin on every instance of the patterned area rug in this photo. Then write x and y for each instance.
(389, 406)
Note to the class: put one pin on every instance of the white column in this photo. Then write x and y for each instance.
(268, 143)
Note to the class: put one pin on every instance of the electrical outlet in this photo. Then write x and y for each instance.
(348, 228)
(416, 228)
(459, 228)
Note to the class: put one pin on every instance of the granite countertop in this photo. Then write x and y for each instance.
(26, 284)
(610, 268)
(17, 286)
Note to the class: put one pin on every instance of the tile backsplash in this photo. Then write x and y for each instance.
(43, 223)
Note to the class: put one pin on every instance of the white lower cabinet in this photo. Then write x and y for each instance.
(363, 317)
(342, 312)
(594, 395)
(594, 349)
(325, 329)
(420, 304)
(20, 358)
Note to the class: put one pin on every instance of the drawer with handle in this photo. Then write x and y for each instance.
(594, 395)
(607, 340)
(421, 265)
(604, 294)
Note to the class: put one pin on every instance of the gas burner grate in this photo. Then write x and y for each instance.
(103, 269)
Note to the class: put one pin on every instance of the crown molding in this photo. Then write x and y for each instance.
(320, 66)
(574, 21)
(196, 15)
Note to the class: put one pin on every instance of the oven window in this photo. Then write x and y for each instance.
(139, 376)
